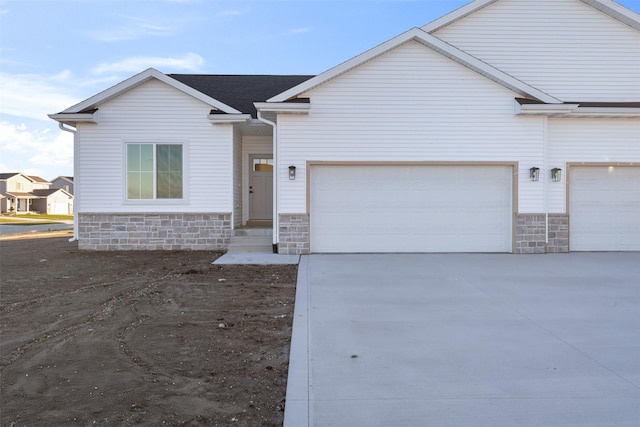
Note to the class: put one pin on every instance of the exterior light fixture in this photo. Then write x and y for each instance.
(292, 172)
(556, 174)
(534, 174)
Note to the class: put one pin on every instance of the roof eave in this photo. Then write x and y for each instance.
(283, 107)
(74, 118)
(228, 118)
(575, 111)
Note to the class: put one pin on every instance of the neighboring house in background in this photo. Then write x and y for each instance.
(504, 126)
(23, 193)
(63, 182)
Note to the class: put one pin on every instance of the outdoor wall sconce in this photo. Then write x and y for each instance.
(534, 174)
(292, 172)
(556, 174)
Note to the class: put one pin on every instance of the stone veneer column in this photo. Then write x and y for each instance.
(294, 234)
(530, 234)
(173, 231)
(558, 233)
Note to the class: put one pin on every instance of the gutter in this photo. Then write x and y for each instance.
(276, 160)
(69, 129)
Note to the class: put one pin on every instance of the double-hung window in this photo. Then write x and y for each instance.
(154, 171)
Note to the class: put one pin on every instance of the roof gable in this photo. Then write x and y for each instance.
(135, 81)
(433, 43)
(610, 8)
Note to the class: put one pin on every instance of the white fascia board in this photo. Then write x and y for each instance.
(283, 107)
(141, 78)
(457, 14)
(73, 118)
(544, 109)
(575, 110)
(228, 118)
(605, 112)
(433, 43)
(616, 11)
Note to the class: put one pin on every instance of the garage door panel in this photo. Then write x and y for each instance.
(411, 209)
(604, 208)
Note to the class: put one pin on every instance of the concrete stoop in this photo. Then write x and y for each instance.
(252, 239)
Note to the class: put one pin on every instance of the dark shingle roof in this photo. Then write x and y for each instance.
(45, 192)
(8, 175)
(37, 178)
(240, 91)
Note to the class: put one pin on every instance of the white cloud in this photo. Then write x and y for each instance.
(190, 62)
(37, 151)
(34, 96)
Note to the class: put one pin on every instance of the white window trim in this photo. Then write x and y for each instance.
(185, 201)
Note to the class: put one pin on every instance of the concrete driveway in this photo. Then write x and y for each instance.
(466, 340)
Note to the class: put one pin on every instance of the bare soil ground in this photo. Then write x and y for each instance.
(140, 338)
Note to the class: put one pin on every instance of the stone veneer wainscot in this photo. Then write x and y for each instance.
(531, 229)
(294, 234)
(160, 231)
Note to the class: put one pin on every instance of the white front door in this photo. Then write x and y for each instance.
(261, 187)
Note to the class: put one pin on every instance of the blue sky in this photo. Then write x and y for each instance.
(55, 53)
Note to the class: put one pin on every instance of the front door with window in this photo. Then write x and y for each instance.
(261, 188)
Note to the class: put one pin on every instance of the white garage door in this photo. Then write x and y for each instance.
(410, 208)
(604, 208)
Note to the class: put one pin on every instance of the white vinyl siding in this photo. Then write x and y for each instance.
(562, 47)
(410, 208)
(410, 104)
(604, 208)
(155, 112)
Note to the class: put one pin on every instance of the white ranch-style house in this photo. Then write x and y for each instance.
(505, 126)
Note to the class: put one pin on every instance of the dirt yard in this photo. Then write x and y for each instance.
(140, 338)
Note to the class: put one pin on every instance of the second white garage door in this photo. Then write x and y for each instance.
(604, 208)
(411, 208)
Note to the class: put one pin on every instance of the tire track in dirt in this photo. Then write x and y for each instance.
(107, 309)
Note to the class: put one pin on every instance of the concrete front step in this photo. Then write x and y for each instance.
(251, 239)
(253, 231)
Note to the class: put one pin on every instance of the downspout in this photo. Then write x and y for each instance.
(75, 176)
(276, 158)
(545, 184)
